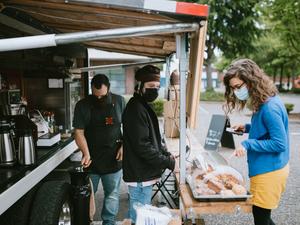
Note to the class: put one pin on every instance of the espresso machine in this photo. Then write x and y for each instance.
(10, 102)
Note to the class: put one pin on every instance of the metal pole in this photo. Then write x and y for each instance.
(167, 75)
(182, 53)
(93, 68)
(21, 43)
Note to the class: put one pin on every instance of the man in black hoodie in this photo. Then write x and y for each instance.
(144, 157)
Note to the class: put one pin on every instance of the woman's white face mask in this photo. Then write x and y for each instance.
(242, 93)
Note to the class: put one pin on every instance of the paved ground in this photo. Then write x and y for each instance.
(292, 98)
(288, 212)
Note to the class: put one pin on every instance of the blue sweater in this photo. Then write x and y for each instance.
(268, 143)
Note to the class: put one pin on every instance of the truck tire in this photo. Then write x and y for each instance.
(52, 204)
(19, 212)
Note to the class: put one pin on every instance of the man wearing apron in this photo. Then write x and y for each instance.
(97, 123)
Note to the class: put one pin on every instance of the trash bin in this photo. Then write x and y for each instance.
(81, 190)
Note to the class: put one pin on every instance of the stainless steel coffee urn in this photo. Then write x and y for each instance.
(7, 147)
(27, 151)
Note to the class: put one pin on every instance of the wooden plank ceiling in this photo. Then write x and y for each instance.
(64, 17)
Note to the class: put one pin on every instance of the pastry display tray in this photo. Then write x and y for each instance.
(216, 197)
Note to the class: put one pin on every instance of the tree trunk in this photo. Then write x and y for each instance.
(209, 83)
(289, 82)
(293, 76)
(274, 74)
(281, 76)
(208, 67)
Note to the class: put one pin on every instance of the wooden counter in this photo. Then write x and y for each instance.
(187, 200)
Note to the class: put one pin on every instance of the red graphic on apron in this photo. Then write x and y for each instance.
(109, 121)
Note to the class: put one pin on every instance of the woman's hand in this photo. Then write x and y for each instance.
(239, 127)
(240, 152)
(86, 160)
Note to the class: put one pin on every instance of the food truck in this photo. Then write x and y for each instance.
(44, 68)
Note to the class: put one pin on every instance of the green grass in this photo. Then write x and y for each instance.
(289, 107)
(212, 96)
(158, 107)
(296, 90)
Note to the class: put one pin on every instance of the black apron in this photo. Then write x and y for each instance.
(102, 135)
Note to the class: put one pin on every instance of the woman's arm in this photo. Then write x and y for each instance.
(278, 141)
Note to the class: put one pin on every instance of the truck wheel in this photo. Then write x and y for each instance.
(19, 212)
(52, 204)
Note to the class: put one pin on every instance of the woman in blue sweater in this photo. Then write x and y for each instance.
(267, 147)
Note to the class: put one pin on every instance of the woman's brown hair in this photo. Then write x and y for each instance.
(260, 86)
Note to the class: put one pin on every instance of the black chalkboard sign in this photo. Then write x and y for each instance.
(216, 133)
(227, 137)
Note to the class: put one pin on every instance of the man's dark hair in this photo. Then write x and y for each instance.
(100, 79)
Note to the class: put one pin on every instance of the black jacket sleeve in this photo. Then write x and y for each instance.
(137, 128)
(164, 148)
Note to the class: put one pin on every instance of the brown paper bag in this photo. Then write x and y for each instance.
(171, 117)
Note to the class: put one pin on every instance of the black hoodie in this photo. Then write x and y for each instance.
(144, 157)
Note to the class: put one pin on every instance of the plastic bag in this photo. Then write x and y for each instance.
(219, 170)
(150, 215)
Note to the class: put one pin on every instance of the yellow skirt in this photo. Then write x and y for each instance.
(267, 188)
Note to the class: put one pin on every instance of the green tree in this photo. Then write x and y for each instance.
(286, 18)
(232, 27)
(277, 49)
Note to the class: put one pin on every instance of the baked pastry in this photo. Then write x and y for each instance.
(215, 185)
(199, 177)
(222, 180)
(228, 178)
(204, 191)
(201, 188)
(239, 189)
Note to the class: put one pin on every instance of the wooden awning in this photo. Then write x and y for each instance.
(19, 18)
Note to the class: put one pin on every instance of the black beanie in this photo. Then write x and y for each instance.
(148, 73)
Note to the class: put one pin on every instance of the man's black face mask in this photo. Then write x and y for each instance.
(150, 94)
